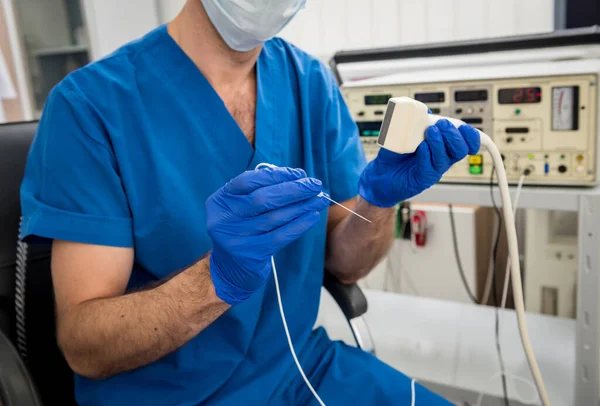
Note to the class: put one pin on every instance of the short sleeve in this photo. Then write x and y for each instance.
(346, 157)
(71, 189)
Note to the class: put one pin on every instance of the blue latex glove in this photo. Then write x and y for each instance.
(392, 178)
(251, 218)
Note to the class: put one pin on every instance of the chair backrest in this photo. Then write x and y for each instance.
(26, 297)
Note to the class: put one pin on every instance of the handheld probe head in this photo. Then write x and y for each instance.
(404, 125)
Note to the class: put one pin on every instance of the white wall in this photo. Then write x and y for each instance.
(112, 23)
(168, 9)
(19, 58)
(327, 26)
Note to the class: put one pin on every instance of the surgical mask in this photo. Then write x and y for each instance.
(247, 24)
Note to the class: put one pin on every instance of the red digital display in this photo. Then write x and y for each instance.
(520, 95)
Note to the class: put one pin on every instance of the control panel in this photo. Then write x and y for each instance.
(548, 125)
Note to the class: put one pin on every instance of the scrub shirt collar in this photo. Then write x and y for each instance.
(228, 138)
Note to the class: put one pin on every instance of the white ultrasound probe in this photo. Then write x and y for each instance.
(402, 130)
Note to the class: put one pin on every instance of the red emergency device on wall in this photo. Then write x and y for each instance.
(419, 227)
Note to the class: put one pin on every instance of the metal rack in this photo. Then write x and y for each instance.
(586, 202)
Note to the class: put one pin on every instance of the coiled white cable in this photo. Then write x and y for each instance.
(283, 320)
(20, 292)
(511, 233)
(513, 249)
(291, 345)
(287, 333)
(507, 272)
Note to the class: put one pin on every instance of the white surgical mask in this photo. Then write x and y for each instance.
(246, 24)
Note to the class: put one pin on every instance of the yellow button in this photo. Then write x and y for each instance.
(475, 160)
(580, 158)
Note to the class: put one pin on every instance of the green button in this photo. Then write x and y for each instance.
(518, 111)
(475, 169)
(530, 156)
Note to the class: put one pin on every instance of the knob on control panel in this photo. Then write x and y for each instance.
(562, 168)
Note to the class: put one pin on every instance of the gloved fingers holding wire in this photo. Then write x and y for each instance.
(251, 218)
(392, 178)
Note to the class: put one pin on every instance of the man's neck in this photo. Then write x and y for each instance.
(198, 38)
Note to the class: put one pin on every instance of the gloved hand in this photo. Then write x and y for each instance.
(392, 178)
(251, 218)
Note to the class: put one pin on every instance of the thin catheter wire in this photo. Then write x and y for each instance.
(266, 165)
(344, 207)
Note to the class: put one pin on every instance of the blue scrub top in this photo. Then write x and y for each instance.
(127, 152)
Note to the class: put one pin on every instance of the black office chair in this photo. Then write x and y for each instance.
(26, 299)
(29, 354)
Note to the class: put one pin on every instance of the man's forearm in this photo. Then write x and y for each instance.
(355, 246)
(104, 337)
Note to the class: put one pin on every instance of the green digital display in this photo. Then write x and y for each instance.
(377, 99)
(369, 128)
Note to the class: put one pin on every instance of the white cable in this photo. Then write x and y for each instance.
(413, 394)
(289, 339)
(291, 345)
(513, 249)
(489, 279)
(507, 272)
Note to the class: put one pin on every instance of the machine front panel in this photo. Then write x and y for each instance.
(545, 124)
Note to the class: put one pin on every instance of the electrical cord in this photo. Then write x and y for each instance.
(515, 208)
(389, 270)
(391, 267)
(416, 118)
(488, 279)
(513, 247)
(291, 345)
(457, 257)
(289, 338)
(20, 292)
(282, 313)
(495, 293)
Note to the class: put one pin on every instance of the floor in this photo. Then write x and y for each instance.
(450, 346)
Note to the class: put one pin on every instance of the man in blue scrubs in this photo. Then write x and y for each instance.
(142, 175)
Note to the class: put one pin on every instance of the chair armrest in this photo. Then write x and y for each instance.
(349, 298)
(16, 385)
